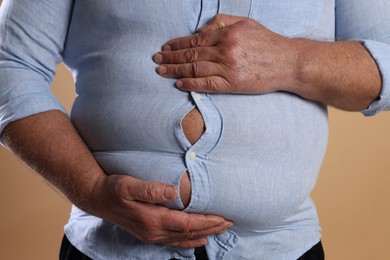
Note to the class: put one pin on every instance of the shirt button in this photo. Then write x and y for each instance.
(198, 96)
(192, 156)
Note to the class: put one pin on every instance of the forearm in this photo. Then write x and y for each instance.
(49, 144)
(340, 74)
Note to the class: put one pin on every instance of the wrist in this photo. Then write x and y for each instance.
(292, 74)
(93, 197)
(340, 74)
(301, 72)
(310, 77)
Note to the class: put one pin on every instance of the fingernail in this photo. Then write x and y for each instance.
(169, 192)
(162, 70)
(229, 224)
(157, 58)
(166, 47)
(203, 242)
(179, 84)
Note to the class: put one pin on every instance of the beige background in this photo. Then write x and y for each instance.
(352, 194)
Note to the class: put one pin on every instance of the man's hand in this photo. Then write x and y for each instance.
(230, 55)
(238, 55)
(131, 203)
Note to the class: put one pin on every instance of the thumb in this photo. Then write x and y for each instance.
(151, 192)
(220, 21)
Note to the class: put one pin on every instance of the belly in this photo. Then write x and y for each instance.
(258, 172)
(267, 159)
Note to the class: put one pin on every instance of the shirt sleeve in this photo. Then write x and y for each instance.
(369, 23)
(32, 37)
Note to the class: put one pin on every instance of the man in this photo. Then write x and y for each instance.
(251, 157)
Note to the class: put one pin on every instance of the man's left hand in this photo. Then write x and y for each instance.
(229, 55)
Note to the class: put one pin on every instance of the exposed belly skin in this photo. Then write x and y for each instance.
(193, 128)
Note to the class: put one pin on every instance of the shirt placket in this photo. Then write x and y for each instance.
(196, 157)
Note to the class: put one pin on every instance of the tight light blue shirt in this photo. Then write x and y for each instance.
(259, 157)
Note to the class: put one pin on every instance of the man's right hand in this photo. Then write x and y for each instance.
(50, 144)
(131, 204)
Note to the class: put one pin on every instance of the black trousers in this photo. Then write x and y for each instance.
(69, 252)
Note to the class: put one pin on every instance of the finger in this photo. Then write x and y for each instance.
(210, 84)
(187, 55)
(189, 243)
(168, 236)
(172, 237)
(151, 192)
(179, 236)
(190, 70)
(182, 222)
(196, 40)
(177, 226)
(195, 235)
(220, 21)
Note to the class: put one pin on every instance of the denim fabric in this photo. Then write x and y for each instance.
(259, 157)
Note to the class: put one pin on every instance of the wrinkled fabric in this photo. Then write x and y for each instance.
(259, 157)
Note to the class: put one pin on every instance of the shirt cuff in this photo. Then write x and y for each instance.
(381, 54)
(25, 99)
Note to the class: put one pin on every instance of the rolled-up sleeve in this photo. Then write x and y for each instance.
(369, 23)
(32, 38)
